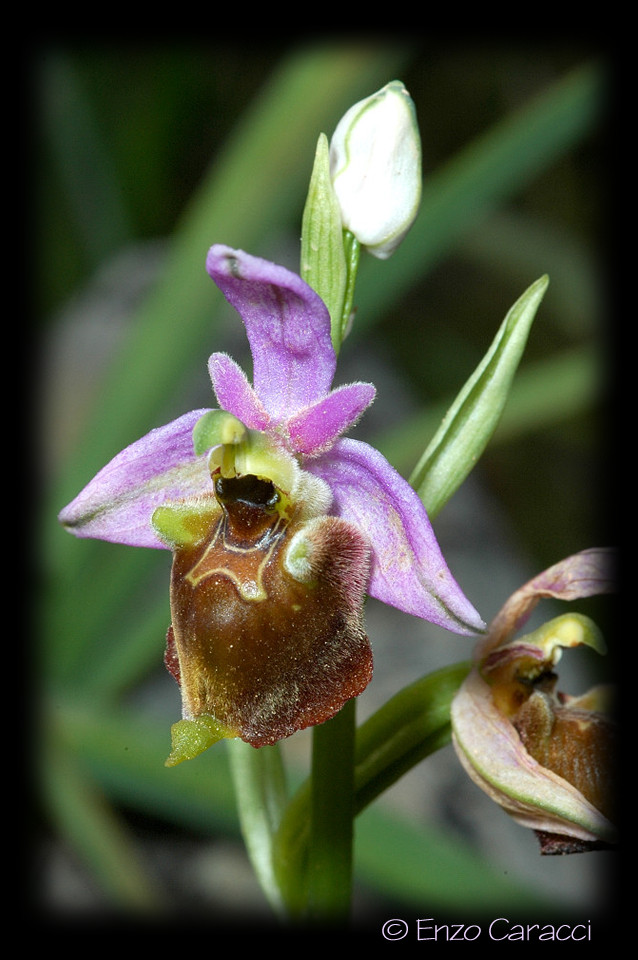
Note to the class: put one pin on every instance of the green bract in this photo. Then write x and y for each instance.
(323, 261)
(472, 418)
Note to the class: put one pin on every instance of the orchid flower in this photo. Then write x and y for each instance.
(267, 481)
(547, 758)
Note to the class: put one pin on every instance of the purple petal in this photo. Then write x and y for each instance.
(118, 503)
(288, 328)
(583, 574)
(235, 394)
(315, 429)
(408, 569)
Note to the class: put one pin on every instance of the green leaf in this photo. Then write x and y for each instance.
(426, 869)
(86, 821)
(125, 752)
(409, 727)
(83, 161)
(260, 789)
(474, 415)
(544, 393)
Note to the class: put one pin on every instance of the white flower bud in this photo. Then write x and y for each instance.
(375, 164)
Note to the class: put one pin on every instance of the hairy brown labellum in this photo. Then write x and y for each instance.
(578, 745)
(267, 629)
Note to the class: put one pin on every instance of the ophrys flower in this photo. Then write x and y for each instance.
(331, 511)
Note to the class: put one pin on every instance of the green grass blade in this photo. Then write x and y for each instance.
(88, 824)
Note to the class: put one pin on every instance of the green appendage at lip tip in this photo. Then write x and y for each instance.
(189, 738)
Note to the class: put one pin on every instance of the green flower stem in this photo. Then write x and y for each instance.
(330, 850)
(411, 726)
(331, 817)
(329, 263)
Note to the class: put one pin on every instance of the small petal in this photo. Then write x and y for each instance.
(117, 505)
(585, 574)
(315, 429)
(408, 569)
(235, 394)
(288, 328)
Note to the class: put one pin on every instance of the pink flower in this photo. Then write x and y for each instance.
(287, 429)
(290, 401)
